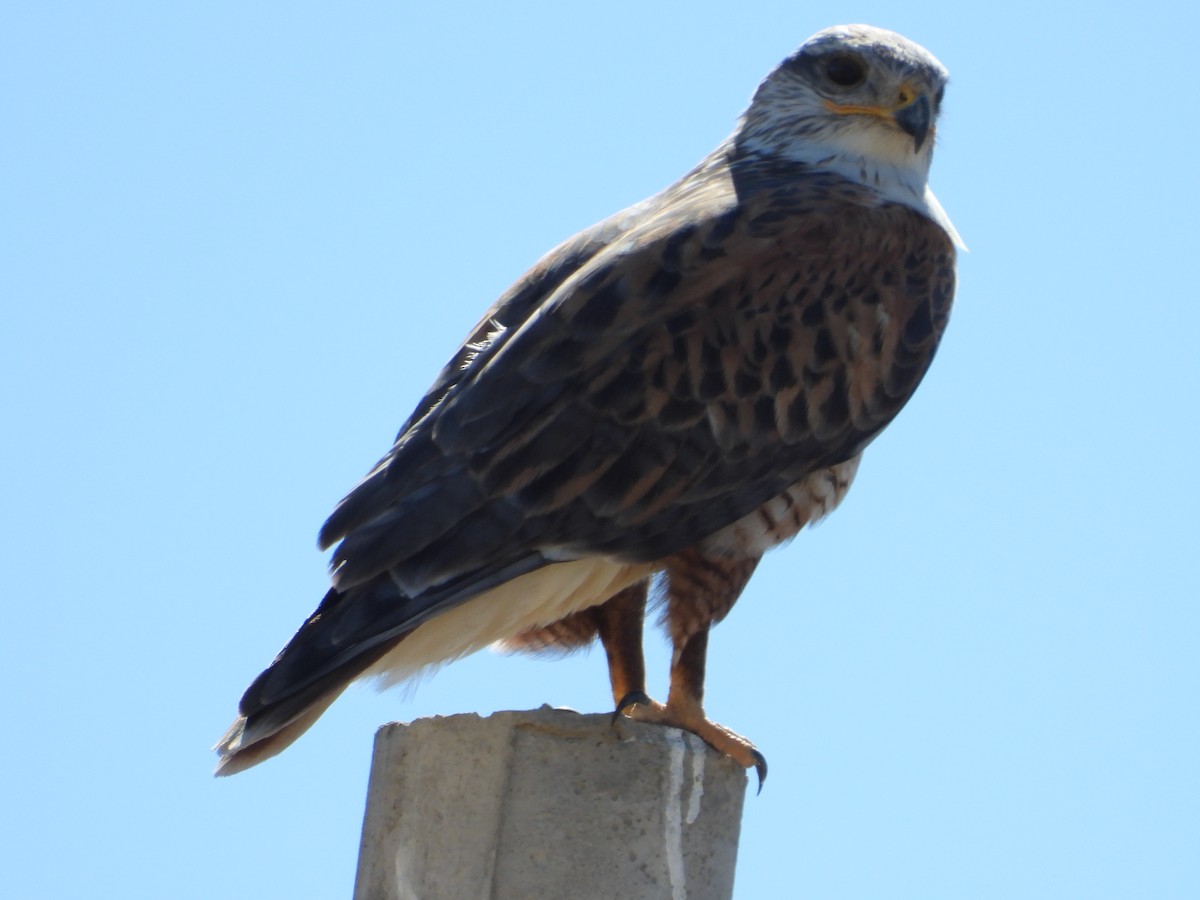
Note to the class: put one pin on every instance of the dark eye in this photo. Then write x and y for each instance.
(845, 70)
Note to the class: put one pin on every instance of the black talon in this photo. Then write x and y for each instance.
(760, 766)
(633, 698)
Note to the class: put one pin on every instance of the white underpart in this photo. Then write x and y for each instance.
(530, 601)
(779, 519)
(551, 593)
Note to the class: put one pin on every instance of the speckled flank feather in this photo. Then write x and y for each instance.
(675, 390)
(781, 518)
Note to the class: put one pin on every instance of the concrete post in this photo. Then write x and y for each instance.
(547, 803)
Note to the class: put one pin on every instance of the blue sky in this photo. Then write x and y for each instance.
(239, 240)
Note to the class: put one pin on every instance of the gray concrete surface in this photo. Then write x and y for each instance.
(547, 803)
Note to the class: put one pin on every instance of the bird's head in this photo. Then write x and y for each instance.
(859, 99)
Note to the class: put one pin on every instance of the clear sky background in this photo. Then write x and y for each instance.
(238, 240)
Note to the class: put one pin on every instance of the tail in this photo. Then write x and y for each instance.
(372, 629)
(305, 678)
(240, 748)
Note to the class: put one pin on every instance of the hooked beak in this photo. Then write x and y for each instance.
(915, 119)
(913, 114)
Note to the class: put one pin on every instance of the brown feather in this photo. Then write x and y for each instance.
(677, 389)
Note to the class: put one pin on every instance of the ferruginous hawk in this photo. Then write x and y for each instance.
(668, 394)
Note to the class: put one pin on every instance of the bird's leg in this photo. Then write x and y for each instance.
(700, 591)
(619, 624)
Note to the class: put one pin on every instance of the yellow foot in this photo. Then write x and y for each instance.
(636, 705)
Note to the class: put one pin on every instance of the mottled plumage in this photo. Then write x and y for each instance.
(673, 391)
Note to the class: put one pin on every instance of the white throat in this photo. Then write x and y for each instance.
(905, 183)
(888, 166)
(883, 162)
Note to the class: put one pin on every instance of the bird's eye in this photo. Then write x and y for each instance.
(845, 70)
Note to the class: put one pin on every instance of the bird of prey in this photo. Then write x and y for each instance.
(662, 398)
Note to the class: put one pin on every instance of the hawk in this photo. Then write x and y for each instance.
(663, 397)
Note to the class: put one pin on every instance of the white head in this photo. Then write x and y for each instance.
(857, 100)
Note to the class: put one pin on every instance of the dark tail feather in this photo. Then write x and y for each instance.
(350, 631)
(291, 693)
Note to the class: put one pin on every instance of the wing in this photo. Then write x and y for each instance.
(647, 384)
(739, 332)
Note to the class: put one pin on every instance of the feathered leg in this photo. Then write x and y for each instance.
(700, 591)
(619, 624)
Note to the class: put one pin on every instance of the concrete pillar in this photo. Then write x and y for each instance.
(547, 803)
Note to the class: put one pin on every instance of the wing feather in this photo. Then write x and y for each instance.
(738, 334)
(646, 385)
